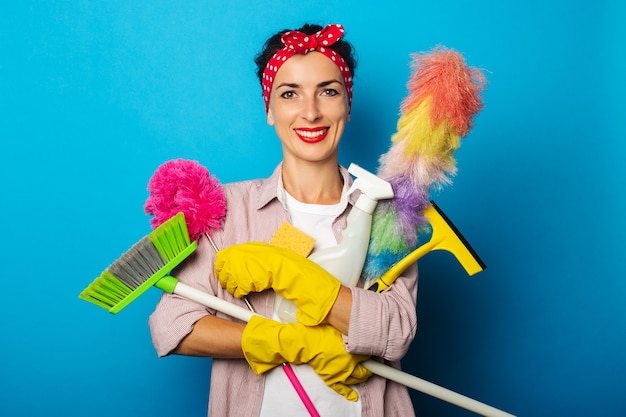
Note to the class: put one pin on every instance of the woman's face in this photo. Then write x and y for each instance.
(309, 107)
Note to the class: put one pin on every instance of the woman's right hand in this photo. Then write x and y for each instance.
(255, 267)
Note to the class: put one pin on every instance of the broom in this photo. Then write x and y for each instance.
(144, 265)
(148, 263)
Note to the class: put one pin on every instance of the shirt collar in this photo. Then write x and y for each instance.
(273, 188)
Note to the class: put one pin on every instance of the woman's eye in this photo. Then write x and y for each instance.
(330, 92)
(288, 94)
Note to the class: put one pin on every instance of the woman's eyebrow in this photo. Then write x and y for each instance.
(327, 83)
(296, 85)
(289, 85)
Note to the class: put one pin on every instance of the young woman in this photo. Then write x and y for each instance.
(306, 77)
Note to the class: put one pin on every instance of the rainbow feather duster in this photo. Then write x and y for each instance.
(443, 98)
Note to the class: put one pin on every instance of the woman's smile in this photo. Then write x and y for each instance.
(312, 135)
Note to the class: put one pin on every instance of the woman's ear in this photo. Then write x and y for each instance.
(270, 118)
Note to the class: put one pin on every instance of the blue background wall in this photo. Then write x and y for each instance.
(95, 95)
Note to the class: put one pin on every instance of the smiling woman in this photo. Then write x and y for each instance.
(306, 76)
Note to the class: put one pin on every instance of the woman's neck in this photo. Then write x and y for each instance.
(313, 183)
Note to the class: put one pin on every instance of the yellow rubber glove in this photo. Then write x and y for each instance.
(267, 344)
(254, 267)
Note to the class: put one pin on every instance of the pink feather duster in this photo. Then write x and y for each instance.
(184, 185)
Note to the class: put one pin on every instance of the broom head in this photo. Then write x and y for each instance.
(142, 266)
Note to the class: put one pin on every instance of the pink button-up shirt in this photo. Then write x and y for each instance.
(381, 325)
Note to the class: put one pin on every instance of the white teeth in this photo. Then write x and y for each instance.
(311, 135)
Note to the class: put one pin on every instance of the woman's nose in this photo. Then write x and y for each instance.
(311, 111)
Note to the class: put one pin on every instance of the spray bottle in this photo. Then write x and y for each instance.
(345, 261)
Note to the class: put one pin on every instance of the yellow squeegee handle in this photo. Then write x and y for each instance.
(446, 237)
(385, 281)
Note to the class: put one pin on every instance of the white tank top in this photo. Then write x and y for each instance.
(280, 398)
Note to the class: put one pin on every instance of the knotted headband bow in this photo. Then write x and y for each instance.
(300, 43)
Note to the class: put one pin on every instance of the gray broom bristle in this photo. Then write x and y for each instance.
(138, 264)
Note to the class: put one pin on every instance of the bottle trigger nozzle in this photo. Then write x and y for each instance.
(372, 188)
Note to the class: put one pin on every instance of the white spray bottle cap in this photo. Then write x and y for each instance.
(372, 188)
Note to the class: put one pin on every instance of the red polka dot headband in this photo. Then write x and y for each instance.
(300, 43)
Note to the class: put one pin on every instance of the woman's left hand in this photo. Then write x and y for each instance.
(267, 344)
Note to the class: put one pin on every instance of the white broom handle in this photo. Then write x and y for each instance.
(378, 368)
(213, 302)
(431, 389)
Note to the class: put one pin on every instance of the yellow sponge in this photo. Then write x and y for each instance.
(290, 237)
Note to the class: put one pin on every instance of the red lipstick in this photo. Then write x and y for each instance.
(312, 134)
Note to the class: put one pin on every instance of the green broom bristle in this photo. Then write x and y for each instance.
(139, 268)
(106, 291)
(170, 242)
